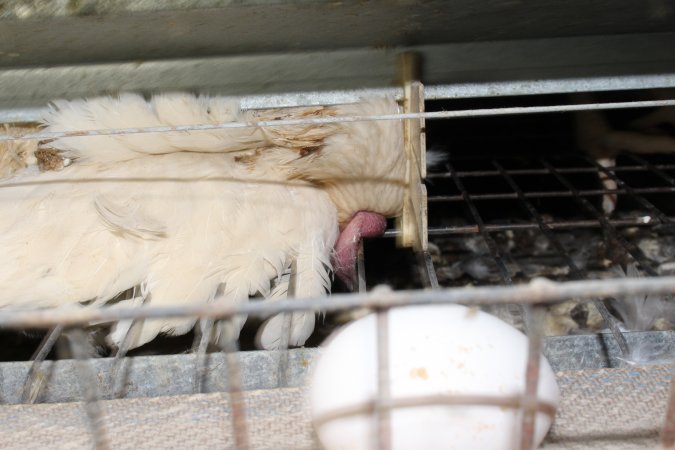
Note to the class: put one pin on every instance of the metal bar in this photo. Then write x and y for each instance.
(201, 357)
(668, 431)
(435, 92)
(383, 398)
(234, 388)
(87, 379)
(512, 402)
(549, 86)
(633, 250)
(36, 378)
(565, 353)
(575, 271)
(472, 229)
(361, 269)
(552, 194)
(572, 170)
(427, 269)
(539, 290)
(285, 337)
(534, 316)
(119, 372)
(341, 119)
(286, 100)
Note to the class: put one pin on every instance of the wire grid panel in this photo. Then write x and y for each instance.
(545, 217)
(533, 293)
(544, 197)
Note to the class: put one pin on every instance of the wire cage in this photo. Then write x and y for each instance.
(511, 219)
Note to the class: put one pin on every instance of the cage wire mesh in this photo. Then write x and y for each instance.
(501, 217)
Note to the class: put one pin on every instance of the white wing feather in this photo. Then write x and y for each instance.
(190, 238)
(133, 111)
(312, 279)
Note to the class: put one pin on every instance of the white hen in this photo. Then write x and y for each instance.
(196, 216)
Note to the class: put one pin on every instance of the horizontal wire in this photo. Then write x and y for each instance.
(448, 400)
(551, 194)
(431, 92)
(641, 221)
(340, 119)
(538, 291)
(570, 170)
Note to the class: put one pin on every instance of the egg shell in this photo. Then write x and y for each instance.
(437, 349)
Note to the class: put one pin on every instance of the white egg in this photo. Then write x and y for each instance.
(439, 349)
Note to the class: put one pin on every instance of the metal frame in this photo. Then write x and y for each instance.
(537, 292)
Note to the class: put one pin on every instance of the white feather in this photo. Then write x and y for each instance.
(132, 111)
(312, 279)
(206, 234)
(645, 313)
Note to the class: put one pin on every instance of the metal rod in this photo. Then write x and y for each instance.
(119, 373)
(566, 170)
(383, 398)
(36, 378)
(435, 92)
(429, 271)
(549, 86)
(234, 388)
(201, 356)
(87, 378)
(512, 402)
(552, 194)
(534, 317)
(45, 135)
(473, 229)
(283, 363)
(539, 290)
(361, 269)
(668, 431)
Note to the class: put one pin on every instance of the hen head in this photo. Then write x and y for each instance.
(362, 167)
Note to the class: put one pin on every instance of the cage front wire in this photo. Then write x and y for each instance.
(530, 297)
